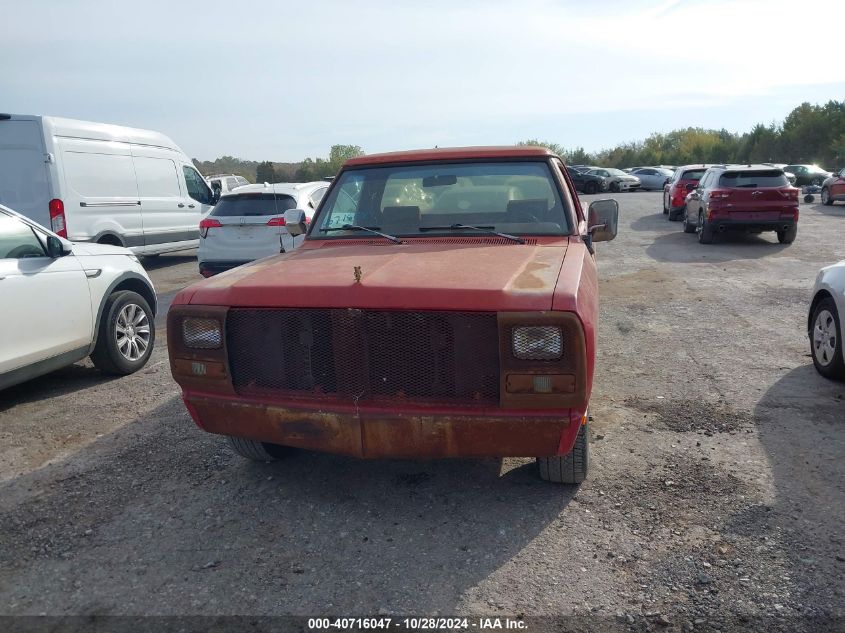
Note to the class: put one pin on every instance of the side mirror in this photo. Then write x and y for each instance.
(295, 222)
(56, 248)
(603, 220)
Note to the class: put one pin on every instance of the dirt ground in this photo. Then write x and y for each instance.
(715, 501)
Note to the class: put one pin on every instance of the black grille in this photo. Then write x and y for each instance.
(366, 355)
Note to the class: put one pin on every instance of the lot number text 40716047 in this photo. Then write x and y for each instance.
(417, 624)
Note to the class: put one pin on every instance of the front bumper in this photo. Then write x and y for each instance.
(386, 433)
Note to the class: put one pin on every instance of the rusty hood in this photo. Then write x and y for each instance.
(416, 274)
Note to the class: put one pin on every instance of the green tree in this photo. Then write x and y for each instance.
(265, 172)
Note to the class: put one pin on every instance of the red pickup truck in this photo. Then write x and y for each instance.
(443, 304)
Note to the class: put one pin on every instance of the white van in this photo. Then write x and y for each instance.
(94, 182)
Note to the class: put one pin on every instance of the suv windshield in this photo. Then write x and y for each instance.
(247, 204)
(414, 200)
(757, 178)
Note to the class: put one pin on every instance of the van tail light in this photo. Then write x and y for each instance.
(276, 222)
(57, 217)
(720, 193)
(208, 223)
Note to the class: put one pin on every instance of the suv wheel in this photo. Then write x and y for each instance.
(705, 230)
(689, 227)
(826, 200)
(258, 451)
(665, 206)
(825, 342)
(590, 187)
(572, 467)
(788, 236)
(126, 335)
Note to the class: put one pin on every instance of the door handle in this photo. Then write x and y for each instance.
(190, 206)
(181, 206)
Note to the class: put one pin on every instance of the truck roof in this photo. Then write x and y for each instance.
(451, 153)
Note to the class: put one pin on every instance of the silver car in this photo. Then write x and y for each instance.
(824, 322)
(249, 224)
(653, 177)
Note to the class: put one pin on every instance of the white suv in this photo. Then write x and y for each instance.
(249, 224)
(64, 301)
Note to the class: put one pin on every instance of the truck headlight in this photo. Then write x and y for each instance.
(202, 333)
(537, 342)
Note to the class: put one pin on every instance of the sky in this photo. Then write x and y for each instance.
(284, 80)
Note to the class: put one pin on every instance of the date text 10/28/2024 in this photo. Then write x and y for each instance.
(417, 624)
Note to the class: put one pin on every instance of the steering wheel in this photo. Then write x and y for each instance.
(23, 251)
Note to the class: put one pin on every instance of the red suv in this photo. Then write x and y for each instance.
(751, 198)
(444, 303)
(675, 191)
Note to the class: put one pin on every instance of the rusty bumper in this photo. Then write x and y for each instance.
(373, 434)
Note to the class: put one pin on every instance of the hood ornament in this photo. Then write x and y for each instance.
(358, 274)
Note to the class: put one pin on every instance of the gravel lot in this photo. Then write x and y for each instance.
(715, 499)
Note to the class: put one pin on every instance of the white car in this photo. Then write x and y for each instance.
(249, 224)
(224, 183)
(653, 177)
(617, 180)
(824, 322)
(64, 301)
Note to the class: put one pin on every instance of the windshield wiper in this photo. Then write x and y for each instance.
(483, 229)
(369, 229)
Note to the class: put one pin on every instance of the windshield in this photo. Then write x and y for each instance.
(251, 204)
(753, 179)
(693, 174)
(616, 172)
(413, 200)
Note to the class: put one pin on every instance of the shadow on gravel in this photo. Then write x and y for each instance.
(168, 259)
(801, 425)
(74, 378)
(837, 209)
(161, 518)
(654, 222)
(680, 247)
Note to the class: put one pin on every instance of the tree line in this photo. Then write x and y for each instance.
(811, 133)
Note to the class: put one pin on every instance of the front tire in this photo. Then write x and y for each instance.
(614, 187)
(590, 188)
(826, 199)
(665, 206)
(570, 468)
(788, 236)
(126, 335)
(257, 451)
(825, 342)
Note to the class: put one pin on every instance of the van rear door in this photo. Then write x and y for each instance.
(24, 176)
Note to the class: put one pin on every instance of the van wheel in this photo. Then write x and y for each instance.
(788, 236)
(705, 230)
(572, 467)
(126, 335)
(258, 451)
